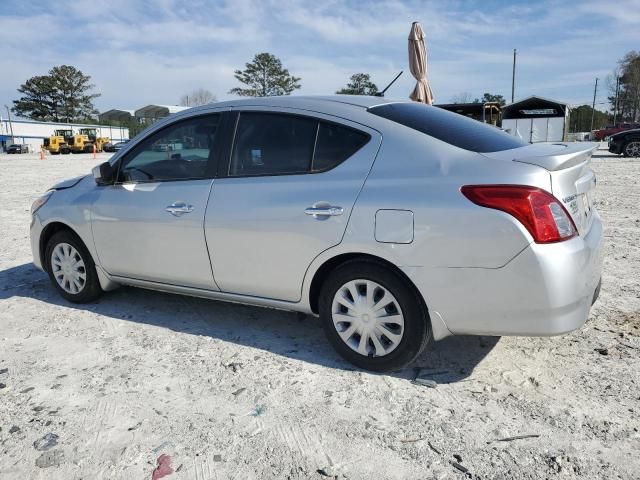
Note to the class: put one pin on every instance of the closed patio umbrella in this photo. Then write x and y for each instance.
(418, 65)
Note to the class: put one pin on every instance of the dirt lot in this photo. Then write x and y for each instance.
(228, 391)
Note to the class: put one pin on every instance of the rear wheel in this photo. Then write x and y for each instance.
(71, 268)
(632, 149)
(372, 317)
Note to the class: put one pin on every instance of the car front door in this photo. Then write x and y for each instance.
(148, 225)
(283, 198)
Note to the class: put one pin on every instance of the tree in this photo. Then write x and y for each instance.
(580, 119)
(489, 97)
(265, 77)
(200, 96)
(462, 97)
(62, 95)
(628, 71)
(359, 84)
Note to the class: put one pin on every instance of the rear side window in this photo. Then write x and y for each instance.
(449, 127)
(335, 144)
(281, 144)
(268, 144)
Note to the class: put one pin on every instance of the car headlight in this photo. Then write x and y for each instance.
(40, 201)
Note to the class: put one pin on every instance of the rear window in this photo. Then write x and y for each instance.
(449, 127)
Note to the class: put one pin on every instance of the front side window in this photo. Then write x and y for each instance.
(178, 152)
(280, 144)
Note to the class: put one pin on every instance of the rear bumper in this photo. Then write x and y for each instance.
(544, 290)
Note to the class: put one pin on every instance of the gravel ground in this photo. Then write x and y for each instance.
(140, 380)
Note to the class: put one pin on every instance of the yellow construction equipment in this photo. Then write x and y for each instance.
(84, 141)
(58, 142)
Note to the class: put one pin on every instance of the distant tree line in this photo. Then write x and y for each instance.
(466, 97)
(627, 74)
(66, 94)
(580, 119)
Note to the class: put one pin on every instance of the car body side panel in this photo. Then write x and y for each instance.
(424, 176)
(135, 236)
(71, 207)
(260, 240)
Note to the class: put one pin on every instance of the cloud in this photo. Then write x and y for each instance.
(154, 51)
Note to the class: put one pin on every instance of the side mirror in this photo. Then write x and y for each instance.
(104, 173)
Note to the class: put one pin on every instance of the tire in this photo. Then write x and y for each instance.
(55, 153)
(414, 335)
(632, 148)
(83, 290)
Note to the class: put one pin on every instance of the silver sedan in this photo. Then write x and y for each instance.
(397, 223)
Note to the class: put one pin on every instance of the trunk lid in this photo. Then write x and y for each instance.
(572, 179)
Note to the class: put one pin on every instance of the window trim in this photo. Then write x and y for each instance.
(225, 163)
(211, 171)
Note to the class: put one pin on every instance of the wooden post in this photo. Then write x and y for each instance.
(94, 151)
(41, 153)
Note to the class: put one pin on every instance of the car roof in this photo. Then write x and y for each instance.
(362, 101)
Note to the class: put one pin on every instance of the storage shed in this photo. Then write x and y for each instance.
(536, 119)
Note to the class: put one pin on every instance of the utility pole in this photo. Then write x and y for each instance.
(513, 77)
(615, 107)
(593, 107)
(10, 124)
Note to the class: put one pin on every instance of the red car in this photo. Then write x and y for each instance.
(611, 129)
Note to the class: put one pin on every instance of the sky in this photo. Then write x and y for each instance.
(142, 52)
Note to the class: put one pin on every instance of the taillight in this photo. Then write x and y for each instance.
(540, 212)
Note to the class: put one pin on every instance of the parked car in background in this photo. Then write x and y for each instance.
(397, 223)
(18, 148)
(601, 135)
(114, 147)
(626, 143)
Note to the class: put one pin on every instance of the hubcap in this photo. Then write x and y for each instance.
(633, 149)
(367, 318)
(68, 268)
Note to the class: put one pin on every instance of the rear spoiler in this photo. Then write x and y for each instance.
(572, 154)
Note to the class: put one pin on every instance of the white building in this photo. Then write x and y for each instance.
(33, 133)
(536, 119)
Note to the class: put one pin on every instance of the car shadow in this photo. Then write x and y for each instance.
(288, 334)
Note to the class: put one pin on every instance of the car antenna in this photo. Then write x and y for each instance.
(381, 94)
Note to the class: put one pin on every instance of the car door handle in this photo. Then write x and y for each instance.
(324, 211)
(179, 208)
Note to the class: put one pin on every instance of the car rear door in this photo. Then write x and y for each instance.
(284, 197)
(149, 224)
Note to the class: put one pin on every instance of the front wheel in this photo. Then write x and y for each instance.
(632, 149)
(71, 268)
(373, 317)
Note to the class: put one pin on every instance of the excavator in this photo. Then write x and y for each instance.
(84, 141)
(58, 142)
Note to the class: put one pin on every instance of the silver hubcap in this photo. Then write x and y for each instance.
(68, 268)
(633, 149)
(368, 318)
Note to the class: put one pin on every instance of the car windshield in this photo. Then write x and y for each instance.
(449, 127)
